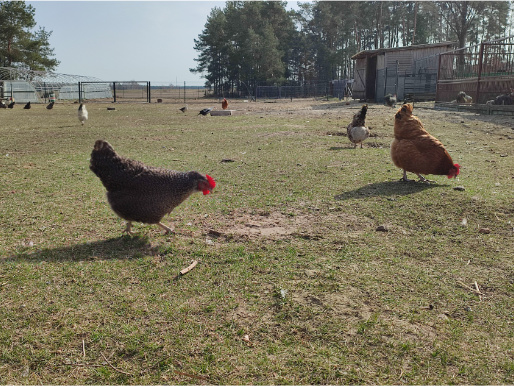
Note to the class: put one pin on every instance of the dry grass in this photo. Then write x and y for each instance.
(294, 283)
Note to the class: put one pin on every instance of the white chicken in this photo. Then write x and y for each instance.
(82, 113)
(357, 130)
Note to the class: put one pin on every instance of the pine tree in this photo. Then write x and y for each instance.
(19, 46)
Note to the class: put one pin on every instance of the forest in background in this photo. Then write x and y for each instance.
(245, 44)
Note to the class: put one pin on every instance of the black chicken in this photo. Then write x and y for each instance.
(27, 106)
(50, 106)
(205, 111)
(11, 105)
(141, 193)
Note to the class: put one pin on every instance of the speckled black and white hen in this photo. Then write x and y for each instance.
(357, 130)
(140, 193)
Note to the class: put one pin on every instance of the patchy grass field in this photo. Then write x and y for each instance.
(294, 283)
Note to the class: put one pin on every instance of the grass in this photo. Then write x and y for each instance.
(294, 283)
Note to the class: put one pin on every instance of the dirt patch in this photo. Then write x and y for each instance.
(276, 225)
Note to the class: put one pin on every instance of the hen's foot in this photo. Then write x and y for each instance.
(404, 178)
(128, 229)
(167, 230)
(423, 179)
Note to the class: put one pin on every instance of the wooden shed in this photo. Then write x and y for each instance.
(382, 71)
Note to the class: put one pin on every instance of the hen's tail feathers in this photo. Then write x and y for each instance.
(364, 110)
(108, 165)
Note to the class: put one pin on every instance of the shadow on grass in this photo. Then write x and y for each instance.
(387, 189)
(123, 247)
(340, 148)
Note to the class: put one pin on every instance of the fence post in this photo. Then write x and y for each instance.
(114, 89)
(184, 92)
(397, 77)
(385, 81)
(149, 94)
(480, 63)
(438, 78)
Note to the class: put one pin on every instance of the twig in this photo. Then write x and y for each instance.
(186, 270)
(478, 291)
(190, 375)
(118, 370)
(474, 290)
(84, 348)
(82, 364)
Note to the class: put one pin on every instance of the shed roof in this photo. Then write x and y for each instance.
(364, 54)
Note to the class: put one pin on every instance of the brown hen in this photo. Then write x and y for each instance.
(415, 150)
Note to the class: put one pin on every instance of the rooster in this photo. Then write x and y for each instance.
(224, 104)
(390, 100)
(415, 150)
(356, 130)
(27, 106)
(205, 111)
(50, 106)
(82, 113)
(11, 105)
(141, 193)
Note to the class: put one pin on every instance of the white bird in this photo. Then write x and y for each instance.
(82, 113)
(356, 130)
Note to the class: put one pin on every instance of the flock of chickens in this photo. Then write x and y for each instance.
(140, 193)
(82, 111)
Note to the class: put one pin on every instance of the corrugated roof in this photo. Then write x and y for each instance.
(364, 54)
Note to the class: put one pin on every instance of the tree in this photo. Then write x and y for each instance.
(254, 42)
(19, 45)
(213, 46)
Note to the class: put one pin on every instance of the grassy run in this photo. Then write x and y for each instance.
(294, 283)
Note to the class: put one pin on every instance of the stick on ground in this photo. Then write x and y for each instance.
(112, 366)
(186, 270)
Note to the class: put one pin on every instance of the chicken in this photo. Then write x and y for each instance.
(462, 97)
(356, 130)
(27, 106)
(390, 100)
(11, 105)
(50, 106)
(183, 109)
(3, 105)
(224, 104)
(504, 99)
(141, 193)
(415, 150)
(82, 113)
(205, 111)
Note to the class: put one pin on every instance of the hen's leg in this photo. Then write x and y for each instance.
(423, 179)
(404, 178)
(167, 230)
(128, 228)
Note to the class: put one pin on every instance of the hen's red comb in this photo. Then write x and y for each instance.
(212, 184)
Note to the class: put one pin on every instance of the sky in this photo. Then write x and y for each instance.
(127, 40)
